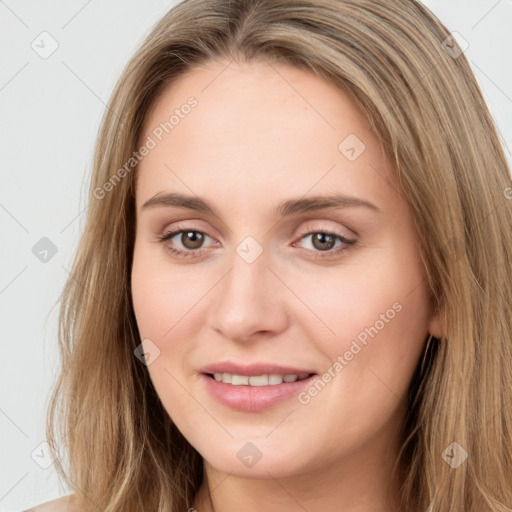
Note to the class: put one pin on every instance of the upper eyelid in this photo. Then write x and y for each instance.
(183, 226)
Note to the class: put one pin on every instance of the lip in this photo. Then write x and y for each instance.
(253, 369)
(253, 398)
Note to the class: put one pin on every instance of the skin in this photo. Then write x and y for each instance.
(261, 134)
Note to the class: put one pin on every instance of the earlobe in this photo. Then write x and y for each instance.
(437, 325)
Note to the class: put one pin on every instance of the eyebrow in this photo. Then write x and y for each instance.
(286, 208)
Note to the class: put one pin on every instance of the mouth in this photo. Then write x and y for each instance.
(254, 388)
(272, 379)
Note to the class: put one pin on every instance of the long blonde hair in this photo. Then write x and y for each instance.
(399, 64)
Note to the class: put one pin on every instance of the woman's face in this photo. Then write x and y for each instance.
(297, 256)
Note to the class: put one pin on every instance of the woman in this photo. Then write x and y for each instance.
(295, 280)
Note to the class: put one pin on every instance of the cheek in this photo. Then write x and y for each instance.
(163, 305)
(372, 314)
(170, 307)
(163, 297)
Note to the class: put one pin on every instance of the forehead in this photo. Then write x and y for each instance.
(259, 130)
(256, 94)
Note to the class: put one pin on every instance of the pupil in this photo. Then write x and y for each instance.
(192, 239)
(323, 238)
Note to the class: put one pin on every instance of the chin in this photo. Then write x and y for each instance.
(258, 458)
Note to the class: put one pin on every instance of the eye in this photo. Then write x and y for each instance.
(323, 243)
(191, 240)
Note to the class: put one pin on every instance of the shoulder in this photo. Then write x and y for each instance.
(63, 504)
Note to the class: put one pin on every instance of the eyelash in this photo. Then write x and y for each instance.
(319, 254)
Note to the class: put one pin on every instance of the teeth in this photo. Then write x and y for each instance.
(275, 379)
(240, 380)
(257, 380)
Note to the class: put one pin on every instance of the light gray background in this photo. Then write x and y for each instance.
(50, 113)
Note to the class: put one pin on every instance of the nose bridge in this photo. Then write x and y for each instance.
(246, 281)
(245, 301)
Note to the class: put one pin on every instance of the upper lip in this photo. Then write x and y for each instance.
(253, 369)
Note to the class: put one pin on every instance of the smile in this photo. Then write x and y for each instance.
(254, 393)
(257, 380)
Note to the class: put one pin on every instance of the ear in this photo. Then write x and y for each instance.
(437, 324)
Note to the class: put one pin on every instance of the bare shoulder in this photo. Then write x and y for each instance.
(63, 504)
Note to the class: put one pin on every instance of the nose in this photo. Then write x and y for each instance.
(248, 302)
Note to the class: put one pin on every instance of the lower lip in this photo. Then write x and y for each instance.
(254, 398)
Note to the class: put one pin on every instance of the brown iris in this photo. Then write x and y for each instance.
(192, 239)
(325, 241)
